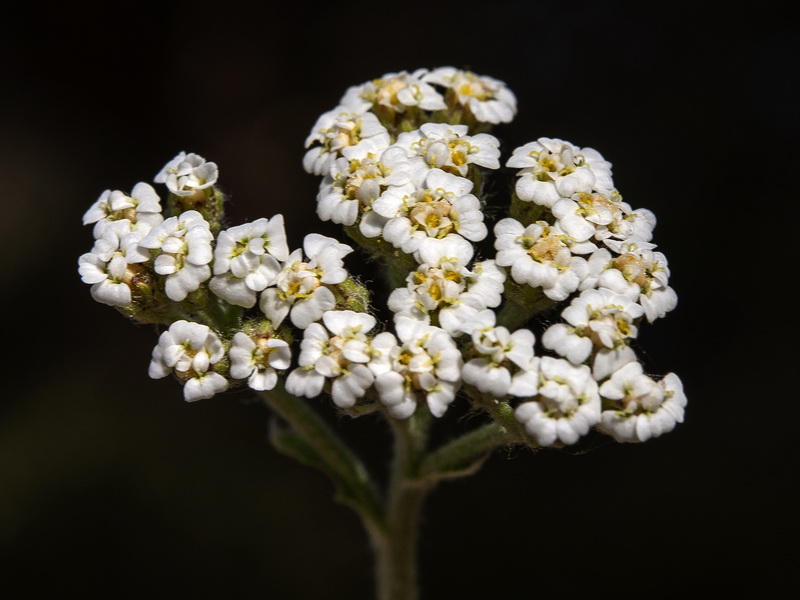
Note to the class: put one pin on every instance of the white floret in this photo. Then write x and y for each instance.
(450, 148)
(395, 92)
(566, 405)
(358, 178)
(636, 271)
(542, 256)
(550, 169)
(301, 287)
(425, 365)
(107, 267)
(337, 129)
(487, 98)
(246, 260)
(190, 350)
(141, 210)
(440, 205)
(258, 360)
(599, 325)
(339, 351)
(500, 354)
(186, 174)
(185, 250)
(637, 408)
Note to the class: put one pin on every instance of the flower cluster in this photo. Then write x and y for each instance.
(403, 163)
(187, 273)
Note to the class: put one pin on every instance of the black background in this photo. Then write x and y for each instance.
(112, 486)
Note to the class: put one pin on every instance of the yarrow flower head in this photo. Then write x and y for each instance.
(435, 206)
(338, 351)
(487, 98)
(184, 251)
(302, 288)
(542, 256)
(258, 359)
(395, 92)
(450, 148)
(550, 169)
(404, 161)
(358, 178)
(337, 129)
(637, 408)
(502, 292)
(599, 325)
(190, 351)
(246, 260)
(424, 365)
(141, 209)
(186, 174)
(566, 405)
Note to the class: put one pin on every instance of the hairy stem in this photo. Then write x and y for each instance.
(396, 546)
(326, 450)
(522, 303)
(466, 454)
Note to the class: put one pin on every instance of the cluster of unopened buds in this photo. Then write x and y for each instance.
(409, 169)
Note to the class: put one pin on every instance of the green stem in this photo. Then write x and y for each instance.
(396, 546)
(395, 264)
(465, 454)
(522, 303)
(323, 448)
(228, 317)
(393, 526)
(526, 212)
(503, 414)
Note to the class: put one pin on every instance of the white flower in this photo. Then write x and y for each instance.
(107, 279)
(338, 351)
(107, 267)
(602, 217)
(187, 173)
(396, 92)
(440, 205)
(358, 178)
(525, 382)
(599, 322)
(636, 408)
(551, 169)
(246, 260)
(117, 231)
(426, 364)
(257, 360)
(500, 354)
(142, 209)
(541, 255)
(448, 147)
(336, 130)
(301, 286)
(190, 350)
(203, 386)
(566, 406)
(442, 286)
(184, 242)
(489, 100)
(638, 272)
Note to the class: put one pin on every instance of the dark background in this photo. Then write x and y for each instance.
(112, 486)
